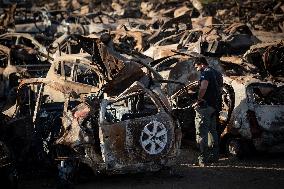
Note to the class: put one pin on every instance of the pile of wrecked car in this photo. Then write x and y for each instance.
(111, 86)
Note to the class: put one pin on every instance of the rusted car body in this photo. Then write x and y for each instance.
(34, 122)
(72, 75)
(131, 133)
(102, 155)
(268, 57)
(77, 69)
(136, 132)
(13, 68)
(58, 47)
(9, 39)
(257, 119)
(86, 24)
(35, 20)
(80, 69)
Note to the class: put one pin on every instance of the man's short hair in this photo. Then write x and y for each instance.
(200, 60)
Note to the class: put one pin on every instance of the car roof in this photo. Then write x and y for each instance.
(84, 58)
(26, 35)
(17, 34)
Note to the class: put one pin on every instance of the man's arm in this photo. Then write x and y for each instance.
(202, 89)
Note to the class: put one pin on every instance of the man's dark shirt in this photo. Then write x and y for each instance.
(215, 82)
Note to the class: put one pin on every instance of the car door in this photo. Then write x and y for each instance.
(135, 129)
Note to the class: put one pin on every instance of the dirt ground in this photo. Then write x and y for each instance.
(257, 171)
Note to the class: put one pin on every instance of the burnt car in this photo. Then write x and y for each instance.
(257, 120)
(87, 23)
(101, 66)
(43, 45)
(10, 39)
(18, 63)
(34, 122)
(131, 133)
(78, 71)
(82, 136)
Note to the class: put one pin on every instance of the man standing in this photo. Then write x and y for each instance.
(207, 107)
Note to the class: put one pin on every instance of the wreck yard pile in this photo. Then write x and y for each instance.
(99, 93)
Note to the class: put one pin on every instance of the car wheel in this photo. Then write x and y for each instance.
(151, 141)
(154, 137)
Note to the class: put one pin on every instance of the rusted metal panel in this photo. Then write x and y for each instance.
(123, 143)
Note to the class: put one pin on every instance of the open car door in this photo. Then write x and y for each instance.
(136, 131)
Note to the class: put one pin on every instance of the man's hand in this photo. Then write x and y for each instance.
(196, 104)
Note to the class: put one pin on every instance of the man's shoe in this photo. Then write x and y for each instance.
(201, 164)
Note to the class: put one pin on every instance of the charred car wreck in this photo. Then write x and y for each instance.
(128, 130)
(257, 119)
(112, 130)
(134, 132)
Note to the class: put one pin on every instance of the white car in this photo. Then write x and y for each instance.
(258, 118)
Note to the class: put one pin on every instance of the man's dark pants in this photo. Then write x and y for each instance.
(206, 134)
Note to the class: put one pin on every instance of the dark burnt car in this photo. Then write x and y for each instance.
(127, 131)
(132, 133)
(126, 127)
